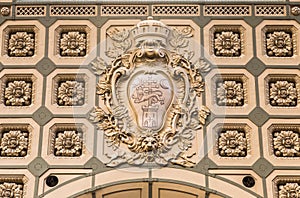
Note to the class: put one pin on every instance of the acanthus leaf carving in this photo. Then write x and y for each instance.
(14, 144)
(73, 44)
(289, 190)
(120, 42)
(18, 93)
(149, 96)
(11, 190)
(21, 44)
(180, 40)
(227, 43)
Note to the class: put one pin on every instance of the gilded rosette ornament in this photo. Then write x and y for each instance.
(151, 108)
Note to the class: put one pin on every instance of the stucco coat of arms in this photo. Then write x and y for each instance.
(151, 106)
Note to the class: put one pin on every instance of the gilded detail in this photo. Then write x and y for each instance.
(18, 93)
(279, 44)
(71, 93)
(289, 190)
(73, 44)
(14, 144)
(21, 44)
(11, 190)
(286, 144)
(283, 93)
(232, 144)
(227, 44)
(230, 93)
(68, 143)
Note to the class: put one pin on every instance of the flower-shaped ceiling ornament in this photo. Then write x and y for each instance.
(286, 144)
(232, 144)
(283, 93)
(279, 44)
(18, 93)
(71, 93)
(21, 44)
(149, 110)
(73, 44)
(227, 44)
(289, 190)
(230, 93)
(68, 143)
(14, 144)
(11, 190)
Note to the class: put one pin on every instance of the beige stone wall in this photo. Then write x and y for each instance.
(52, 60)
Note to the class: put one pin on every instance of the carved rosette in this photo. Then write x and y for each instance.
(150, 112)
(283, 93)
(286, 144)
(289, 190)
(68, 144)
(227, 44)
(232, 144)
(21, 44)
(14, 144)
(73, 44)
(230, 93)
(8, 190)
(279, 44)
(18, 93)
(70, 93)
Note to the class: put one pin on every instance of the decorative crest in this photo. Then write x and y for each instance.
(151, 106)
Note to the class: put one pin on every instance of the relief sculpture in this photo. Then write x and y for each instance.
(151, 109)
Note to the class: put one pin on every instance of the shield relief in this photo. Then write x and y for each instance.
(151, 110)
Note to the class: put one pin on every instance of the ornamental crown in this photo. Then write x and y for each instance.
(150, 30)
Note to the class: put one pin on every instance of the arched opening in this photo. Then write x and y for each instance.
(150, 190)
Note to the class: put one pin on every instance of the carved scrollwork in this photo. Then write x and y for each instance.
(150, 95)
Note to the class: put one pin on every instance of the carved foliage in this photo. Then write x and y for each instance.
(279, 44)
(73, 43)
(14, 143)
(70, 93)
(289, 190)
(9, 190)
(18, 93)
(21, 44)
(232, 143)
(227, 43)
(150, 145)
(283, 93)
(149, 112)
(68, 144)
(180, 41)
(286, 144)
(120, 41)
(230, 93)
